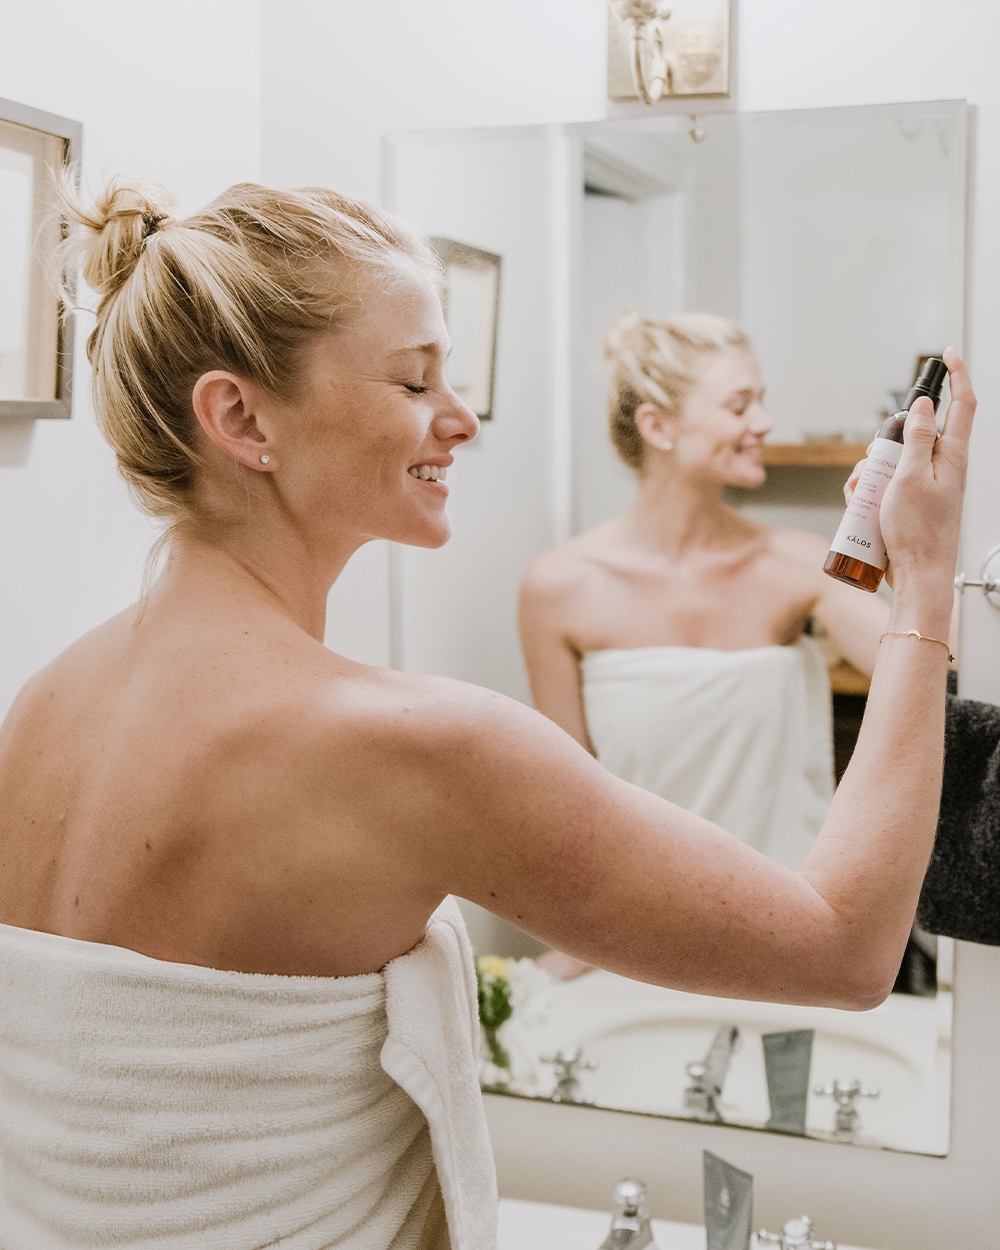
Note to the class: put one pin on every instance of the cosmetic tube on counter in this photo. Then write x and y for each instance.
(857, 553)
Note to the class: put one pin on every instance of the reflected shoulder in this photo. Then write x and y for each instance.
(800, 547)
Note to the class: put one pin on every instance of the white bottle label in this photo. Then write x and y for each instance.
(860, 534)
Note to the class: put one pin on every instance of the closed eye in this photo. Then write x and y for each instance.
(416, 390)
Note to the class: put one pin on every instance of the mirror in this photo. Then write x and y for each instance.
(835, 239)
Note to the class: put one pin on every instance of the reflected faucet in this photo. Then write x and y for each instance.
(843, 1093)
(567, 1064)
(796, 1235)
(630, 1226)
(708, 1075)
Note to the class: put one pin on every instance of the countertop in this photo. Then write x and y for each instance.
(538, 1226)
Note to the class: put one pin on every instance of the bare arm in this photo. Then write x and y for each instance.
(616, 876)
(552, 662)
(854, 620)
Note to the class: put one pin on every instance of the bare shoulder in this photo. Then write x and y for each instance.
(571, 568)
(802, 549)
(409, 718)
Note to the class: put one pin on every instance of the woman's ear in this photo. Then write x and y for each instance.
(655, 425)
(226, 410)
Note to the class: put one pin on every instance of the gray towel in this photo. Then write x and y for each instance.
(961, 892)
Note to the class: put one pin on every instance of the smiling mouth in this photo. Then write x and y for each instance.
(428, 472)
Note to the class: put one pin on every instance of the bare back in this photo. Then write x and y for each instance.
(201, 790)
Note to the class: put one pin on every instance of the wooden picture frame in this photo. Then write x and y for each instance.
(472, 314)
(36, 341)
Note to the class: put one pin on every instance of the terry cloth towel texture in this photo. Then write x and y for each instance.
(961, 892)
(743, 738)
(147, 1105)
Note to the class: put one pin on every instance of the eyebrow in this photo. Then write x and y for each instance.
(431, 348)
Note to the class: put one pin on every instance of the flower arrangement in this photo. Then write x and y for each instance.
(512, 993)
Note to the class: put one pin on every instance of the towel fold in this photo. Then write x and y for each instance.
(961, 892)
(158, 1106)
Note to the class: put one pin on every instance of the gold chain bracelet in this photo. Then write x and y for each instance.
(915, 633)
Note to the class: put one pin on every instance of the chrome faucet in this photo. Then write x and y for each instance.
(708, 1075)
(848, 1121)
(630, 1226)
(567, 1064)
(796, 1235)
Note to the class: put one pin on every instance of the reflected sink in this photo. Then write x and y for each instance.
(643, 1036)
(538, 1226)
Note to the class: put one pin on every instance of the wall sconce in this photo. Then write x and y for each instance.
(665, 49)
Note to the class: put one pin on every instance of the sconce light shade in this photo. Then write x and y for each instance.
(668, 49)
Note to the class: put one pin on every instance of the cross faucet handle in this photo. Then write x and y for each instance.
(796, 1235)
(844, 1092)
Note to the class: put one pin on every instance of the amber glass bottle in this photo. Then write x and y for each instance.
(857, 555)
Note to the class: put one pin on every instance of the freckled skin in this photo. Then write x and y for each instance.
(305, 814)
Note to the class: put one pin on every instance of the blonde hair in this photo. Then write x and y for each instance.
(656, 362)
(242, 285)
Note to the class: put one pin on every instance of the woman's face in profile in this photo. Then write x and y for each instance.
(376, 421)
(722, 425)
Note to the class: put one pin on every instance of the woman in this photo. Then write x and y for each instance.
(222, 842)
(669, 641)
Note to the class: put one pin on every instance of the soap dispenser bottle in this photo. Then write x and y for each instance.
(857, 554)
(630, 1226)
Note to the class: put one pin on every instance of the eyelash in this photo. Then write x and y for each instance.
(416, 390)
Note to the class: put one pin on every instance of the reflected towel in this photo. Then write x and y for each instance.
(961, 892)
(150, 1104)
(743, 738)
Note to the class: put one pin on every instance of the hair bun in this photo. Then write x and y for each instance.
(106, 237)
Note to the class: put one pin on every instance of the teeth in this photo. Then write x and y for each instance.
(429, 472)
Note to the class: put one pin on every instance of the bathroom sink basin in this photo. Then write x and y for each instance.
(643, 1036)
(538, 1226)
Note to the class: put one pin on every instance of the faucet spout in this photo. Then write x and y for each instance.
(630, 1226)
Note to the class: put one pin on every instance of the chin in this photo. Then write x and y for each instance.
(428, 534)
(748, 478)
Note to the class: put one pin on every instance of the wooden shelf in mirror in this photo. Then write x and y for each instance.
(846, 679)
(814, 455)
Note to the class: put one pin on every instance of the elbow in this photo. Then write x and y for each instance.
(867, 989)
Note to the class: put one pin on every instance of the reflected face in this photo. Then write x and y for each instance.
(376, 421)
(720, 432)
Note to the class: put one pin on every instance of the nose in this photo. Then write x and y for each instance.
(455, 422)
(759, 423)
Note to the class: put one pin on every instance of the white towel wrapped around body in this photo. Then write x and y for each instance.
(743, 738)
(146, 1104)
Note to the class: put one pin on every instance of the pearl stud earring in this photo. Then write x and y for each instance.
(667, 445)
(265, 459)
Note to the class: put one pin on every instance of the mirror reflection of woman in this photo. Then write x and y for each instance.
(669, 640)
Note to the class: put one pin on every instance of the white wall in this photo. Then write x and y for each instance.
(168, 88)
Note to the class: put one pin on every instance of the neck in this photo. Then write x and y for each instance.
(277, 577)
(676, 514)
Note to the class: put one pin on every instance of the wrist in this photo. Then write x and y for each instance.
(922, 604)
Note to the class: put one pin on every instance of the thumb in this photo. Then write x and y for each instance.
(919, 435)
(921, 426)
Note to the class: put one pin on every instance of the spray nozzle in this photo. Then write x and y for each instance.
(930, 383)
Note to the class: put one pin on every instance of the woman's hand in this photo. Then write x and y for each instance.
(922, 509)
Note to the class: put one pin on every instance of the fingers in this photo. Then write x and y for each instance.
(962, 409)
(851, 485)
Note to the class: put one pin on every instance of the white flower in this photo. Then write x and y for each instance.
(530, 991)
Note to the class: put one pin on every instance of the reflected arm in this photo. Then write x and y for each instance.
(552, 662)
